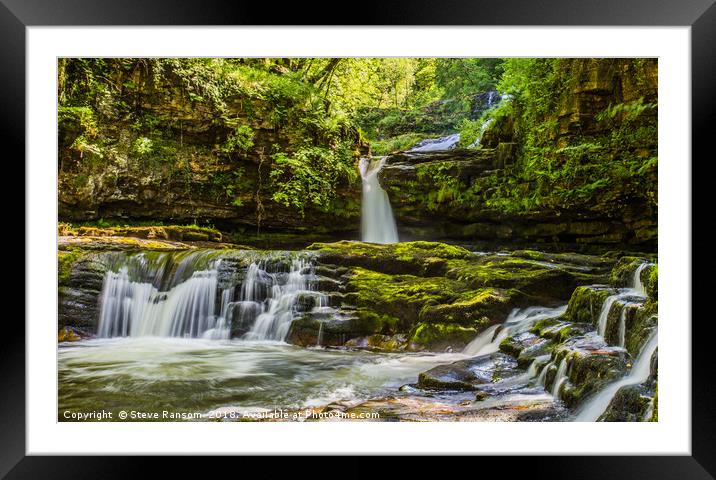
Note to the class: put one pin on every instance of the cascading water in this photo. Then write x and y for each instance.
(137, 308)
(437, 144)
(278, 309)
(377, 221)
(560, 377)
(137, 300)
(519, 320)
(604, 313)
(595, 406)
(483, 128)
(636, 283)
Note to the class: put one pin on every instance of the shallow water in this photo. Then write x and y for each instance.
(200, 376)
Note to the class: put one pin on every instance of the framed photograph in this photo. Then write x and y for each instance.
(435, 231)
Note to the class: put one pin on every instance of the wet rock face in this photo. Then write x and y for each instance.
(591, 365)
(421, 185)
(468, 374)
(79, 293)
(631, 403)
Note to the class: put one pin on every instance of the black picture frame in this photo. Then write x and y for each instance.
(700, 15)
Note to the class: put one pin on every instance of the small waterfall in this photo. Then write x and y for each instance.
(560, 377)
(604, 313)
(595, 406)
(536, 363)
(543, 374)
(131, 308)
(319, 339)
(278, 309)
(636, 283)
(622, 326)
(180, 295)
(517, 321)
(377, 222)
(483, 128)
(437, 144)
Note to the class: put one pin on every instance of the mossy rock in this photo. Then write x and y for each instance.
(631, 403)
(482, 307)
(643, 323)
(545, 284)
(655, 413)
(400, 296)
(416, 258)
(440, 336)
(65, 261)
(386, 343)
(591, 365)
(67, 334)
(307, 329)
(650, 280)
(516, 345)
(624, 269)
(586, 303)
(588, 262)
(467, 375)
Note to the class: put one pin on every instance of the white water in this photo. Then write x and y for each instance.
(636, 279)
(135, 309)
(483, 128)
(595, 406)
(377, 221)
(560, 377)
(267, 305)
(437, 144)
(517, 321)
(622, 326)
(278, 310)
(604, 313)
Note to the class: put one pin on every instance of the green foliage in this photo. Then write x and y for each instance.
(142, 146)
(240, 140)
(398, 143)
(462, 78)
(310, 175)
(233, 186)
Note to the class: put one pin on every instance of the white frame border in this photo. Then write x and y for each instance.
(671, 435)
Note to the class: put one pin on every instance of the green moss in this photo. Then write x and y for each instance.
(440, 335)
(652, 282)
(624, 269)
(644, 321)
(478, 308)
(417, 258)
(400, 296)
(65, 260)
(397, 143)
(655, 414)
(531, 278)
(585, 304)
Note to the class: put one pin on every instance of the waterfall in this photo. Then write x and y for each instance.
(517, 321)
(132, 308)
(622, 326)
(604, 313)
(483, 128)
(377, 222)
(560, 377)
(595, 406)
(137, 299)
(636, 279)
(278, 309)
(437, 144)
